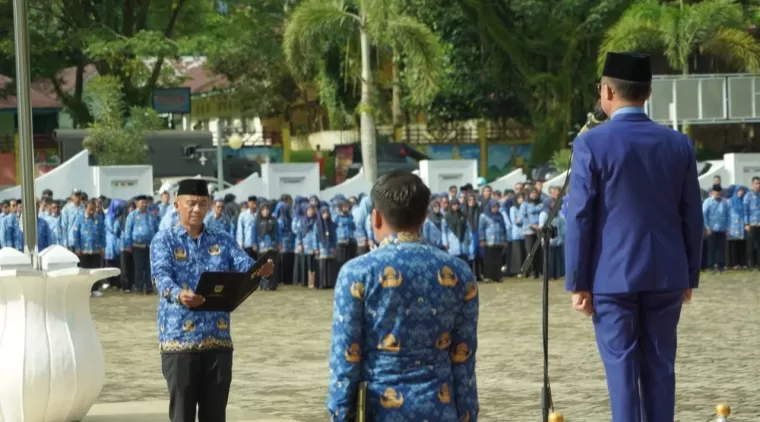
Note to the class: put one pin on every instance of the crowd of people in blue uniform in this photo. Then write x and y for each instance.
(490, 229)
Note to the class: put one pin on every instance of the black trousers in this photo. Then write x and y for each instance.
(91, 261)
(141, 257)
(198, 382)
(753, 248)
(127, 270)
(716, 250)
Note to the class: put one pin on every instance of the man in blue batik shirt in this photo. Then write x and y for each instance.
(633, 253)
(139, 229)
(196, 347)
(405, 319)
(717, 216)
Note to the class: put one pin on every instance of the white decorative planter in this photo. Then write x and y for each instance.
(51, 361)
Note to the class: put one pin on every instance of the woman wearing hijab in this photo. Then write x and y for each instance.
(113, 234)
(345, 227)
(737, 245)
(473, 212)
(127, 261)
(286, 257)
(530, 210)
(266, 237)
(300, 268)
(457, 235)
(306, 243)
(360, 213)
(326, 248)
(556, 244)
(492, 232)
(432, 228)
(517, 251)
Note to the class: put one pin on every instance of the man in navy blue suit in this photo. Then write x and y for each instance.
(634, 240)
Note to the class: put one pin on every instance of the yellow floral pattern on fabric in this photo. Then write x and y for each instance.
(407, 306)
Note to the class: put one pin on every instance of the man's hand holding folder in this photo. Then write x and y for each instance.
(225, 291)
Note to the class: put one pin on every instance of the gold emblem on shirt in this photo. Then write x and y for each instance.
(214, 250)
(357, 290)
(221, 324)
(188, 326)
(446, 277)
(180, 254)
(390, 278)
(444, 395)
(353, 353)
(461, 353)
(218, 288)
(443, 342)
(471, 292)
(391, 399)
(389, 344)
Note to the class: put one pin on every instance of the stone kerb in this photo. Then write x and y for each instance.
(50, 355)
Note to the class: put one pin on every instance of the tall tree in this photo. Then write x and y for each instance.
(679, 30)
(551, 49)
(316, 25)
(245, 45)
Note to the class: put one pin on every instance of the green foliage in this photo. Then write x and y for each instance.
(713, 27)
(245, 45)
(317, 28)
(110, 139)
(549, 49)
(561, 159)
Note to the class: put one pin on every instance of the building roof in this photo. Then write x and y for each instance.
(68, 79)
(39, 99)
(193, 70)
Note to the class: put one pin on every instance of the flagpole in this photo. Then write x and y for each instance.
(26, 140)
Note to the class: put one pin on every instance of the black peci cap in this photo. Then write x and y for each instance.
(633, 67)
(195, 187)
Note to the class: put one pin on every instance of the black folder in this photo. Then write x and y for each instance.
(225, 291)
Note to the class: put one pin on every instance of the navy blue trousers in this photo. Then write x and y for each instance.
(636, 335)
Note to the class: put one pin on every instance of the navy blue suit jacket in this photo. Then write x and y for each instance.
(634, 215)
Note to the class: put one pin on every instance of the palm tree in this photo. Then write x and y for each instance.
(713, 27)
(317, 24)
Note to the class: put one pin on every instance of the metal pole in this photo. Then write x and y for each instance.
(26, 140)
(220, 155)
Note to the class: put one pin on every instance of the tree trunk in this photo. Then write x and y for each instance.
(367, 131)
(396, 111)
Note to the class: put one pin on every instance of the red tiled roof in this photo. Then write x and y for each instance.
(39, 99)
(200, 80)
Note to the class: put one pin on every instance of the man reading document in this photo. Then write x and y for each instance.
(196, 347)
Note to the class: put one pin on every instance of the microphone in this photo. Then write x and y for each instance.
(596, 117)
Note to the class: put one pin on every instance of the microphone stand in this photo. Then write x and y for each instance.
(545, 234)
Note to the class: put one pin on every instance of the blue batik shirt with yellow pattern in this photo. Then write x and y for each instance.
(176, 262)
(222, 223)
(752, 208)
(344, 228)
(405, 319)
(140, 228)
(88, 235)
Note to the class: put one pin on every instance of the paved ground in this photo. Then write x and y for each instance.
(282, 341)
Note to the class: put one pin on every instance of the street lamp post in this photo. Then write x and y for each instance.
(26, 140)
